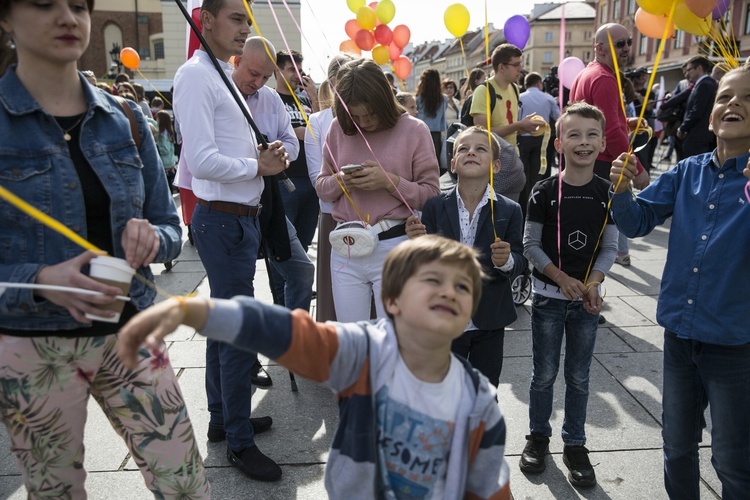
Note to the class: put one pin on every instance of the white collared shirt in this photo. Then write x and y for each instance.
(218, 146)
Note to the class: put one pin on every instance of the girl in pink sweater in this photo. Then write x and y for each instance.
(398, 164)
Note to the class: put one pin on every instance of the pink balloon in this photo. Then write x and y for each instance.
(364, 40)
(394, 51)
(352, 27)
(383, 35)
(401, 35)
(722, 6)
(402, 68)
(569, 69)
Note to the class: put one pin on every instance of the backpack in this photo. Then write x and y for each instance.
(466, 117)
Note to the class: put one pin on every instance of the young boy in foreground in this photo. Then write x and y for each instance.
(465, 214)
(703, 298)
(563, 224)
(413, 418)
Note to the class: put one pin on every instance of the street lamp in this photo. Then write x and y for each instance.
(115, 55)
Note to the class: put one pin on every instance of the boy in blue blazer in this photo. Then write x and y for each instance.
(495, 229)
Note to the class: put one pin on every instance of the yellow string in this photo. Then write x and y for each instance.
(154, 87)
(273, 58)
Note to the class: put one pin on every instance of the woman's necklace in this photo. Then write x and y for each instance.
(66, 131)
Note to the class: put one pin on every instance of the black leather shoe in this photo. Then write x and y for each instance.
(576, 459)
(254, 464)
(534, 453)
(259, 376)
(601, 319)
(216, 433)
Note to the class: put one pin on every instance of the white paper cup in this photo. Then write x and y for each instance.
(113, 272)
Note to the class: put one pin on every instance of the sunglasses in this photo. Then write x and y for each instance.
(621, 43)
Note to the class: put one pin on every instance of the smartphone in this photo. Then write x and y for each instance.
(348, 169)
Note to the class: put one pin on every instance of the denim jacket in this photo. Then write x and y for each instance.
(35, 165)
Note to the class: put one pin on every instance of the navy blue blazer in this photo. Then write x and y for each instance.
(440, 216)
(698, 138)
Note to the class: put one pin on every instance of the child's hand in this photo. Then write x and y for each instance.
(151, 326)
(500, 252)
(414, 227)
(592, 301)
(628, 172)
(570, 287)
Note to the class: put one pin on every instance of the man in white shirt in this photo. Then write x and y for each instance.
(227, 166)
(294, 272)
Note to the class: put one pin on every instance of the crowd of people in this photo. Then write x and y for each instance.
(413, 286)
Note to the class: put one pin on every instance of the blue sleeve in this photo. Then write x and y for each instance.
(654, 205)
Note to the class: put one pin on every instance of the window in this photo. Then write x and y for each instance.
(547, 57)
(159, 49)
(568, 36)
(631, 6)
(588, 35)
(679, 39)
(548, 36)
(602, 14)
(643, 45)
(747, 19)
(586, 55)
(616, 8)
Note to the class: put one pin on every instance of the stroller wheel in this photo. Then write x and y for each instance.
(521, 288)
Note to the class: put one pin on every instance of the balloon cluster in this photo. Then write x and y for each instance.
(369, 31)
(692, 16)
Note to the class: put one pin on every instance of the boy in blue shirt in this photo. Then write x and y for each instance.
(414, 420)
(563, 224)
(703, 298)
(465, 214)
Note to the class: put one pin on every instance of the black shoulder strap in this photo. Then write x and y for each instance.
(493, 97)
(131, 118)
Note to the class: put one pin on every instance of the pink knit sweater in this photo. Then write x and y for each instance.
(405, 150)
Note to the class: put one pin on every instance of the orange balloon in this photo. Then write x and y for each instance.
(130, 58)
(401, 35)
(652, 25)
(402, 67)
(351, 27)
(701, 8)
(350, 47)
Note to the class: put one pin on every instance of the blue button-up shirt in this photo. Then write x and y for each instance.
(534, 100)
(706, 281)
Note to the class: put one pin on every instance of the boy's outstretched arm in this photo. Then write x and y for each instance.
(155, 323)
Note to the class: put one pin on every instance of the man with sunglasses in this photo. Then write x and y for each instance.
(506, 67)
(597, 85)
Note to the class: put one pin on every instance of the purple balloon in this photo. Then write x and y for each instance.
(721, 8)
(517, 30)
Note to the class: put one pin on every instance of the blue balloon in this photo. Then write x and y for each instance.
(517, 31)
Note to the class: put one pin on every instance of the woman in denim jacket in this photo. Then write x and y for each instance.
(67, 149)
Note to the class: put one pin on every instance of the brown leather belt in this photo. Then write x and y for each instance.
(228, 207)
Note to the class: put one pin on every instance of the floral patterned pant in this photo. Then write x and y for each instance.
(45, 383)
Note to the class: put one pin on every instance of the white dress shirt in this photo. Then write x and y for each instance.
(218, 145)
(272, 119)
(320, 122)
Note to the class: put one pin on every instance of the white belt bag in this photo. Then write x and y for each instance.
(356, 239)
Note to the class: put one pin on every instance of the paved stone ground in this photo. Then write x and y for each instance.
(624, 412)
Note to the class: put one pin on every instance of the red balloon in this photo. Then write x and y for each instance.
(394, 51)
(401, 35)
(351, 27)
(364, 40)
(383, 35)
(402, 67)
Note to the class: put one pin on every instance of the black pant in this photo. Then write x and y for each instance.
(484, 350)
(530, 149)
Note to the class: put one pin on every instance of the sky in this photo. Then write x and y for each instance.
(323, 23)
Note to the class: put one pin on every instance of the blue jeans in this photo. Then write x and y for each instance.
(295, 276)
(302, 208)
(228, 248)
(550, 320)
(696, 375)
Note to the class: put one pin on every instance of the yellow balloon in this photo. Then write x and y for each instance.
(381, 54)
(366, 18)
(656, 7)
(685, 20)
(456, 19)
(385, 11)
(355, 5)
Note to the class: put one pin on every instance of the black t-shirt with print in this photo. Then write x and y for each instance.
(298, 168)
(584, 211)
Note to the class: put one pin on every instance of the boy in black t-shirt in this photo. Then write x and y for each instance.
(562, 229)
